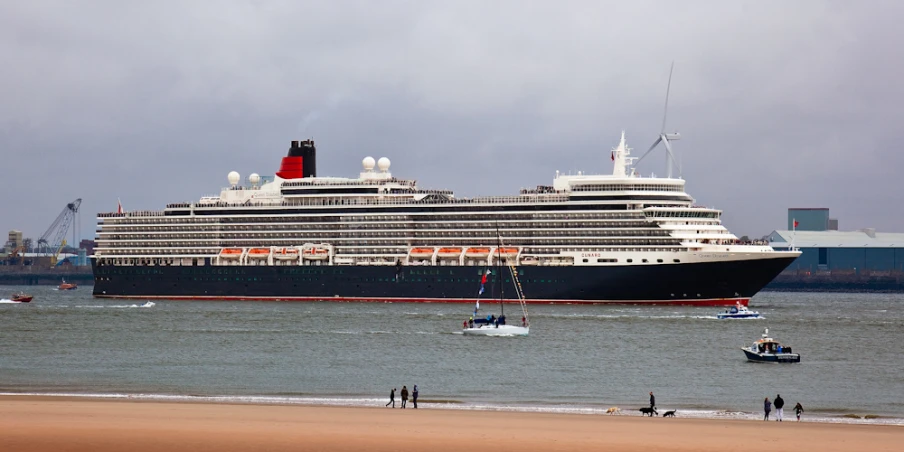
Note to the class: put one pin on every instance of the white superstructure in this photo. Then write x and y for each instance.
(377, 219)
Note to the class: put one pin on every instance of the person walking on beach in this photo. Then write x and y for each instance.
(391, 398)
(414, 397)
(797, 410)
(404, 395)
(652, 400)
(779, 403)
(767, 407)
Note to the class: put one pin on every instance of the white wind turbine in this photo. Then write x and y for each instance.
(666, 138)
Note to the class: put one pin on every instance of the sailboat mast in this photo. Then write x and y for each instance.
(499, 272)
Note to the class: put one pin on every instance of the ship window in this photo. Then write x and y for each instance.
(676, 260)
(659, 260)
(630, 260)
(644, 261)
(585, 260)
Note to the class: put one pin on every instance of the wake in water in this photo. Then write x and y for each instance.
(148, 304)
(642, 316)
(5, 301)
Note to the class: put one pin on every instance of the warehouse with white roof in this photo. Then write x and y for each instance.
(825, 249)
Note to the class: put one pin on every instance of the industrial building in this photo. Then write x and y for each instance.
(862, 260)
(15, 240)
(843, 250)
(825, 249)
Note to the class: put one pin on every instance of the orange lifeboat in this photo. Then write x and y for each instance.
(67, 286)
(231, 253)
(316, 254)
(258, 253)
(449, 252)
(422, 253)
(286, 254)
(477, 253)
(505, 253)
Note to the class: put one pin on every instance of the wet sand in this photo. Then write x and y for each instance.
(74, 424)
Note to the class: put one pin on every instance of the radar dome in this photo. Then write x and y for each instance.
(383, 164)
(368, 163)
(234, 178)
(254, 178)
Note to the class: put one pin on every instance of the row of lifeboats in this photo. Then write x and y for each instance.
(288, 254)
(470, 253)
(322, 252)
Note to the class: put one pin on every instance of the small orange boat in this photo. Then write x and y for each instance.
(477, 252)
(21, 297)
(286, 254)
(231, 253)
(449, 252)
(505, 253)
(421, 252)
(316, 253)
(259, 253)
(67, 286)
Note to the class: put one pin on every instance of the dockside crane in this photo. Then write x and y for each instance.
(55, 237)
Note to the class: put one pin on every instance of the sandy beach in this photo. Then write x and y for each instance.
(72, 424)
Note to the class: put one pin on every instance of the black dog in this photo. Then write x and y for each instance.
(669, 413)
(650, 411)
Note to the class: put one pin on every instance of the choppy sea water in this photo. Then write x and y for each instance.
(577, 359)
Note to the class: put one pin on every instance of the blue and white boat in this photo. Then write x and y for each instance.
(769, 350)
(739, 311)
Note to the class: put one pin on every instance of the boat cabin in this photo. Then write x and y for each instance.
(767, 344)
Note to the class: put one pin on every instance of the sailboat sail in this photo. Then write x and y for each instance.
(491, 325)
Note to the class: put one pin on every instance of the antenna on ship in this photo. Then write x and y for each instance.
(666, 138)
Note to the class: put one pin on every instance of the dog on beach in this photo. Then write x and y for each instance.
(669, 413)
(650, 411)
(614, 410)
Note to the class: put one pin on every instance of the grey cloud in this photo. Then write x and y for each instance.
(779, 103)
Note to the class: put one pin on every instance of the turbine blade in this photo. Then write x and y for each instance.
(648, 150)
(665, 111)
(668, 149)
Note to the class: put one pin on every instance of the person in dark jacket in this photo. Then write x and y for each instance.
(779, 403)
(767, 407)
(404, 395)
(414, 396)
(391, 398)
(797, 410)
(652, 400)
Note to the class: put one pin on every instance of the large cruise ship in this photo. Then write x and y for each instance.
(616, 238)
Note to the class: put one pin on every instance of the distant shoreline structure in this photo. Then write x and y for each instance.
(838, 281)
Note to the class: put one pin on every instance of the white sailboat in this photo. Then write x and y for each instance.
(499, 326)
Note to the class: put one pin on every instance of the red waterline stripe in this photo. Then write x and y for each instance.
(692, 302)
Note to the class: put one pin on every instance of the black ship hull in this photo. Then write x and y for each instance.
(710, 284)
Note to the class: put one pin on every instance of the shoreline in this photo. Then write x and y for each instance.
(815, 417)
(34, 423)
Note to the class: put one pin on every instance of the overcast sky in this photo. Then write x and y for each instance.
(779, 104)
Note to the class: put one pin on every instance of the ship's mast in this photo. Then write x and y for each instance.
(621, 158)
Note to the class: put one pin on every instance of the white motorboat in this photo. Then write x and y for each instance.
(739, 312)
(769, 350)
